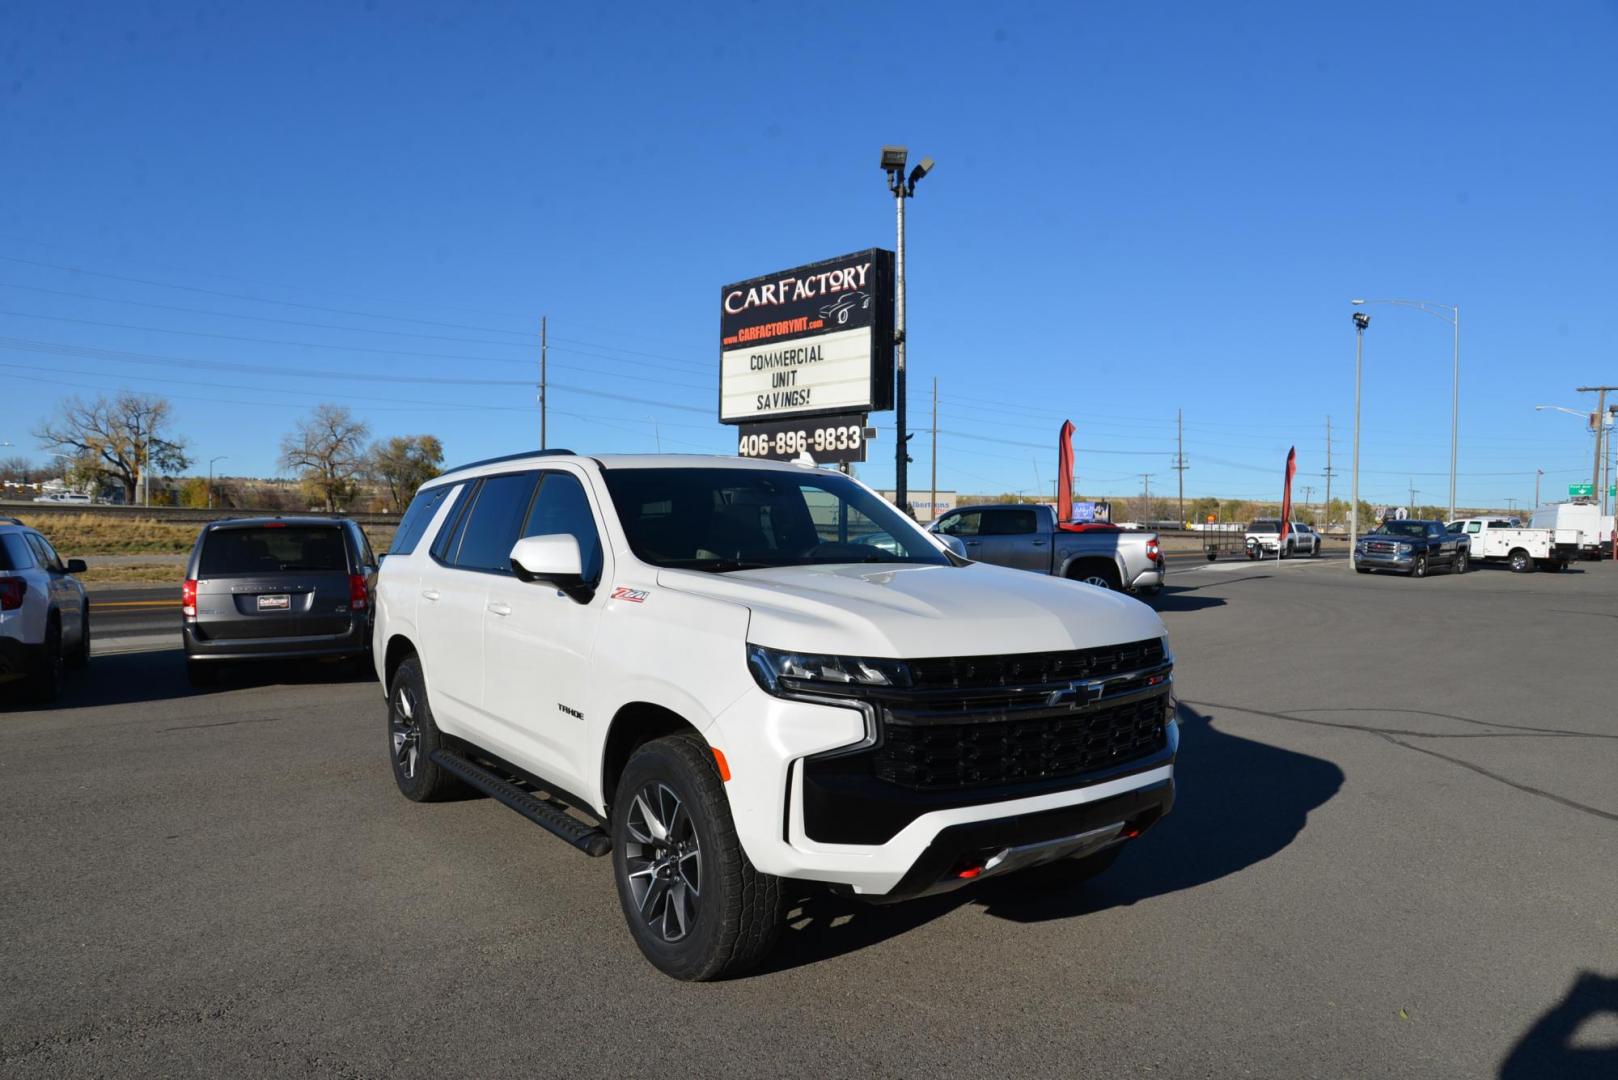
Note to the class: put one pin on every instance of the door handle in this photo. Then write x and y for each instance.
(499, 607)
(1039, 543)
(429, 594)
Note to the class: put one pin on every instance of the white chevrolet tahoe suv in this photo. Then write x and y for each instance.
(741, 672)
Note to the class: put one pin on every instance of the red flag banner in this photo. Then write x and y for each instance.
(1064, 473)
(1286, 496)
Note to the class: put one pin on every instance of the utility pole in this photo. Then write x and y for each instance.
(1601, 416)
(1537, 474)
(1308, 493)
(934, 504)
(544, 345)
(893, 163)
(1361, 321)
(1412, 495)
(1326, 518)
(1146, 496)
(1179, 459)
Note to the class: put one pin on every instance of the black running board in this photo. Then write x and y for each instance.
(589, 839)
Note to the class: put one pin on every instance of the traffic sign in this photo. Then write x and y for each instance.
(1585, 490)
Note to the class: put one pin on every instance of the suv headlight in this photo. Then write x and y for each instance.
(782, 672)
(1405, 549)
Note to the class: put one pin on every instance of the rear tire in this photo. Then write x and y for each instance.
(1521, 562)
(694, 903)
(44, 684)
(1100, 575)
(80, 656)
(412, 738)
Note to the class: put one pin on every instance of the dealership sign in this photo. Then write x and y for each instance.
(815, 340)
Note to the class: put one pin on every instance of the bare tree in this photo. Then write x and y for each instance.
(328, 451)
(17, 470)
(116, 438)
(404, 463)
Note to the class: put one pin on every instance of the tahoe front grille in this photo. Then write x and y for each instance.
(938, 757)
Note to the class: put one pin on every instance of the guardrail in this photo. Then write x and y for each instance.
(171, 514)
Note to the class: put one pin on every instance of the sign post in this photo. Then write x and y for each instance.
(805, 354)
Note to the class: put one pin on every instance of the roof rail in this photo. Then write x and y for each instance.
(507, 457)
(11, 521)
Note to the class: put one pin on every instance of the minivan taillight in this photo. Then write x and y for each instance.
(188, 598)
(12, 590)
(358, 595)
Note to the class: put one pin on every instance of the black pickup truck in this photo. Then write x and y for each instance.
(1412, 547)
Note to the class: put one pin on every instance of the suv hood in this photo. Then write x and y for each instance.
(909, 611)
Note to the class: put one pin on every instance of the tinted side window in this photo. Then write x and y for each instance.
(418, 517)
(44, 552)
(495, 522)
(450, 535)
(966, 523)
(563, 507)
(1007, 522)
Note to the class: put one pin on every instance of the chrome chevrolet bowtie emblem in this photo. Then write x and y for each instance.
(1077, 694)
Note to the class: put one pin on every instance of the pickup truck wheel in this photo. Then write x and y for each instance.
(1100, 575)
(1419, 567)
(694, 904)
(45, 681)
(412, 737)
(1521, 562)
(1461, 560)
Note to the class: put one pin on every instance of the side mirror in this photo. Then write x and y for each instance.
(77, 566)
(953, 543)
(555, 560)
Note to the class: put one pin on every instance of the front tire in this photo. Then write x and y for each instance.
(80, 656)
(1462, 559)
(693, 902)
(1419, 569)
(413, 736)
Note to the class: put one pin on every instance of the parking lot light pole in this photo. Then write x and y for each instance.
(221, 457)
(903, 187)
(1450, 313)
(1361, 321)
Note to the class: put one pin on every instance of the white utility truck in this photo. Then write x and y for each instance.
(1526, 550)
(1585, 517)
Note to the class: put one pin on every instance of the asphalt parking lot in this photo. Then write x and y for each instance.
(1393, 855)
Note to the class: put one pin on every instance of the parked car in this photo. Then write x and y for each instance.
(276, 589)
(713, 661)
(1500, 540)
(1264, 538)
(74, 497)
(1411, 547)
(44, 613)
(1595, 530)
(1025, 536)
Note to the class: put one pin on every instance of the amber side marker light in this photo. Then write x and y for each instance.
(724, 766)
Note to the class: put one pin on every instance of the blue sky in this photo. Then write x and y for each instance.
(1136, 209)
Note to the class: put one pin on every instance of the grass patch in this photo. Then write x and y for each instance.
(138, 574)
(75, 536)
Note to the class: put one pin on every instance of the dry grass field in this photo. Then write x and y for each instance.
(104, 534)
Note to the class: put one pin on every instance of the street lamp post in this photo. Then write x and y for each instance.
(1450, 313)
(903, 187)
(221, 457)
(1361, 321)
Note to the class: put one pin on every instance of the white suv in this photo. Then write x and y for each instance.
(44, 614)
(741, 672)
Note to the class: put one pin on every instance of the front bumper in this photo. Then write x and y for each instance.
(352, 642)
(889, 840)
(1378, 560)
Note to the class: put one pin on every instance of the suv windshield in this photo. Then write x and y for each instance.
(723, 519)
(271, 549)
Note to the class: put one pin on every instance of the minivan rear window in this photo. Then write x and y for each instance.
(273, 549)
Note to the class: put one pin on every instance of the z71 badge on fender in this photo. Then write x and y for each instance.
(634, 596)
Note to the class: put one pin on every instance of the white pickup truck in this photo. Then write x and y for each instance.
(1525, 550)
(727, 673)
